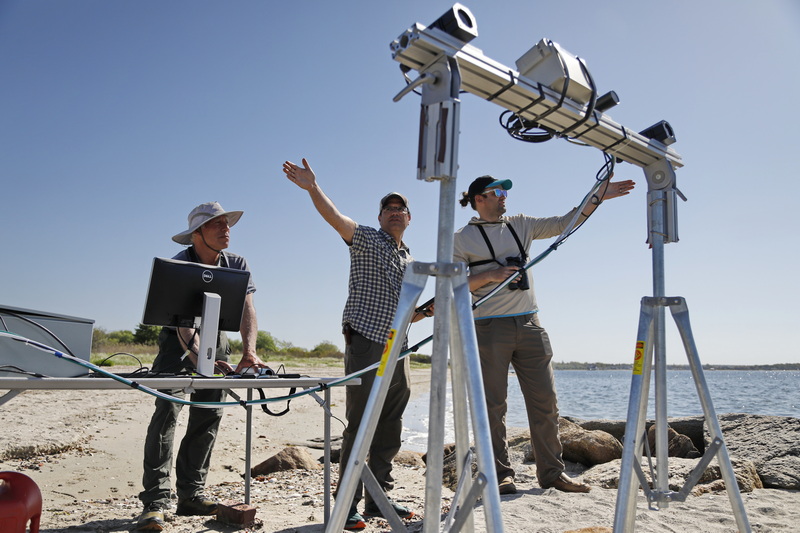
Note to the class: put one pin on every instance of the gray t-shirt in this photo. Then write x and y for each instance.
(469, 246)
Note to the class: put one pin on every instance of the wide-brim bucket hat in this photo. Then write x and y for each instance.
(202, 214)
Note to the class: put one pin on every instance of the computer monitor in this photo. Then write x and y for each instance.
(175, 295)
(184, 294)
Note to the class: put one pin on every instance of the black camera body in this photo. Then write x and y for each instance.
(521, 283)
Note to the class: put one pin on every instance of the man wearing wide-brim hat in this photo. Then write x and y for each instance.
(207, 236)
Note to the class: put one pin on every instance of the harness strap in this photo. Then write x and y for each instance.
(522, 253)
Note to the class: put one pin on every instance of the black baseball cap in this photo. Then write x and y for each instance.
(394, 195)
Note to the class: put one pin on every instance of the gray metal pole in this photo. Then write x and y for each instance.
(461, 422)
(441, 342)
(248, 446)
(657, 234)
(477, 396)
(650, 339)
(327, 455)
(634, 428)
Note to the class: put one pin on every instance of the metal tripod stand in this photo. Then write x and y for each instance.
(650, 345)
(438, 162)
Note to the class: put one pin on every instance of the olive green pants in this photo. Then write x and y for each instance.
(521, 342)
(194, 454)
(359, 354)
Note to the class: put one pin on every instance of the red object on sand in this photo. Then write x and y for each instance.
(20, 502)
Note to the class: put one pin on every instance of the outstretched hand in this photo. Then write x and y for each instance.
(302, 177)
(616, 189)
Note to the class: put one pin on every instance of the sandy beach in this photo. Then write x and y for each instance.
(84, 450)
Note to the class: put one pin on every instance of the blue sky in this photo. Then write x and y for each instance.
(116, 118)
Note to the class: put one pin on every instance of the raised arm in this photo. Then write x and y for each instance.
(615, 189)
(307, 180)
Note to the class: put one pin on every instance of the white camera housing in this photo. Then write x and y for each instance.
(549, 64)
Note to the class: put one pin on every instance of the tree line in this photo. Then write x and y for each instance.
(146, 339)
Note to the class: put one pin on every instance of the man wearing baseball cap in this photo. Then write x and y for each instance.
(378, 259)
(494, 247)
(207, 236)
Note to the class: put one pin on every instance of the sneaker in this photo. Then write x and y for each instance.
(372, 510)
(507, 486)
(151, 519)
(196, 506)
(355, 522)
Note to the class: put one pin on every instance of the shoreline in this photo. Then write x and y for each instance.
(90, 475)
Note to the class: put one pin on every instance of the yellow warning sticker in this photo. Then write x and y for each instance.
(638, 358)
(386, 350)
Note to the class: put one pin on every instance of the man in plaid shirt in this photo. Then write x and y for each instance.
(378, 259)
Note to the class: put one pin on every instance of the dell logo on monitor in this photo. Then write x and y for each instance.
(208, 277)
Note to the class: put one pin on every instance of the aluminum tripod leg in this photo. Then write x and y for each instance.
(624, 517)
(466, 364)
(468, 398)
(463, 453)
(680, 313)
(454, 314)
(413, 284)
(634, 427)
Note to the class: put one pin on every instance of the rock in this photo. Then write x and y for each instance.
(768, 444)
(691, 426)
(772, 443)
(588, 447)
(450, 469)
(291, 458)
(764, 451)
(580, 446)
(781, 473)
(745, 472)
(336, 454)
(677, 445)
(407, 458)
(607, 475)
(448, 449)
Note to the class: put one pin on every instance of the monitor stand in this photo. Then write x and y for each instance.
(209, 327)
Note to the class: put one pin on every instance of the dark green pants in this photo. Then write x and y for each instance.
(359, 354)
(194, 454)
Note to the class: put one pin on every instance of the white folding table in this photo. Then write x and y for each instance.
(16, 385)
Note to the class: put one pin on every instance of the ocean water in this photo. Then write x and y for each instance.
(604, 394)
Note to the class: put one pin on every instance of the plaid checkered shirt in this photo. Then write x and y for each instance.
(377, 266)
